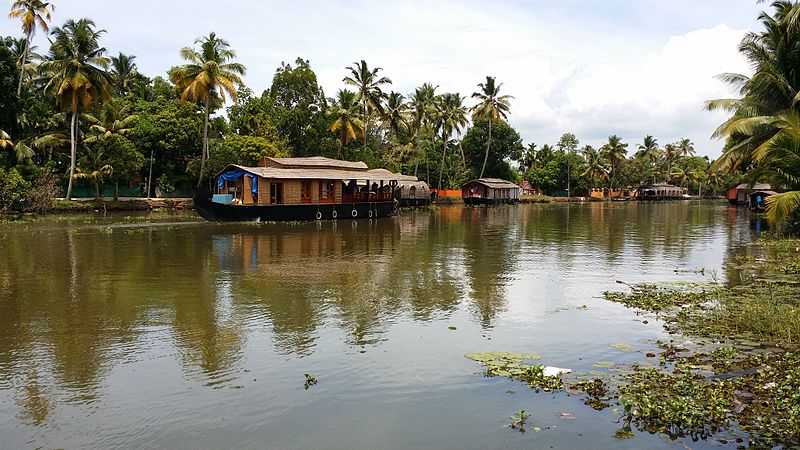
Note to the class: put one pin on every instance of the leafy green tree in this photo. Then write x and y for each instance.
(368, 83)
(507, 144)
(13, 190)
(345, 122)
(32, 14)
(170, 131)
(76, 75)
(9, 76)
(491, 106)
(235, 149)
(297, 106)
(568, 144)
(210, 74)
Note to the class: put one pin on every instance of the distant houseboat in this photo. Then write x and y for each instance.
(413, 192)
(740, 194)
(289, 189)
(660, 191)
(490, 191)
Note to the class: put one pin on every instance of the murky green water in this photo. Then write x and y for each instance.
(164, 331)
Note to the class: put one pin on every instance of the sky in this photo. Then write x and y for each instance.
(590, 67)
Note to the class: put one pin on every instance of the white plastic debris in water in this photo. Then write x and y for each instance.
(550, 371)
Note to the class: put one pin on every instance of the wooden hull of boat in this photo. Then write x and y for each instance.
(219, 212)
(414, 202)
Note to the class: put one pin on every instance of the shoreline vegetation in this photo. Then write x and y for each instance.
(730, 371)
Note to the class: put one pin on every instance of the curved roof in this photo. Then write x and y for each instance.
(315, 162)
(495, 183)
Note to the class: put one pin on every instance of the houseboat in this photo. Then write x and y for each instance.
(740, 194)
(413, 192)
(660, 191)
(490, 191)
(299, 189)
(757, 199)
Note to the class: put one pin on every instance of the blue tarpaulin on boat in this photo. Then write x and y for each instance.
(229, 175)
(254, 187)
(235, 174)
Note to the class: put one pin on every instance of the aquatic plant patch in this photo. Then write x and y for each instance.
(513, 366)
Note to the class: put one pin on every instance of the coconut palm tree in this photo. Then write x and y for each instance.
(395, 115)
(771, 90)
(113, 118)
(75, 70)
(92, 166)
(679, 174)
(778, 160)
(124, 72)
(368, 83)
(451, 116)
(492, 106)
(650, 153)
(685, 148)
(211, 73)
(596, 169)
(422, 104)
(614, 151)
(32, 14)
(671, 153)
(344, 113)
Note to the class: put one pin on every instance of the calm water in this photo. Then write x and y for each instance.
(164, 331)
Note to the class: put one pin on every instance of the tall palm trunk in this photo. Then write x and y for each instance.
(416, 162)
(441, 167)
(97, 188)
(366, 125)
(22, 65)
(73, 144)
(205, 148)
(488, 143)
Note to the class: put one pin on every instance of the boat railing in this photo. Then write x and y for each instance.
(367, 197)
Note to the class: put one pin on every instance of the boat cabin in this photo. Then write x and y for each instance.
(413, 193)
(660, 191)
(490, 191)
(298, 181)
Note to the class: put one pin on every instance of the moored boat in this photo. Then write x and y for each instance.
(490, 191)
(299, 189)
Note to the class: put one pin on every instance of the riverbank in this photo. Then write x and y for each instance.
(123, 204)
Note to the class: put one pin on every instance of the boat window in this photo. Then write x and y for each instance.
(327, 190)
(276, 193)
(305, 191)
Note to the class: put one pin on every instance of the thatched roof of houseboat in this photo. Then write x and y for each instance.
(318, 173)
(495, 183)
(312, 162)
